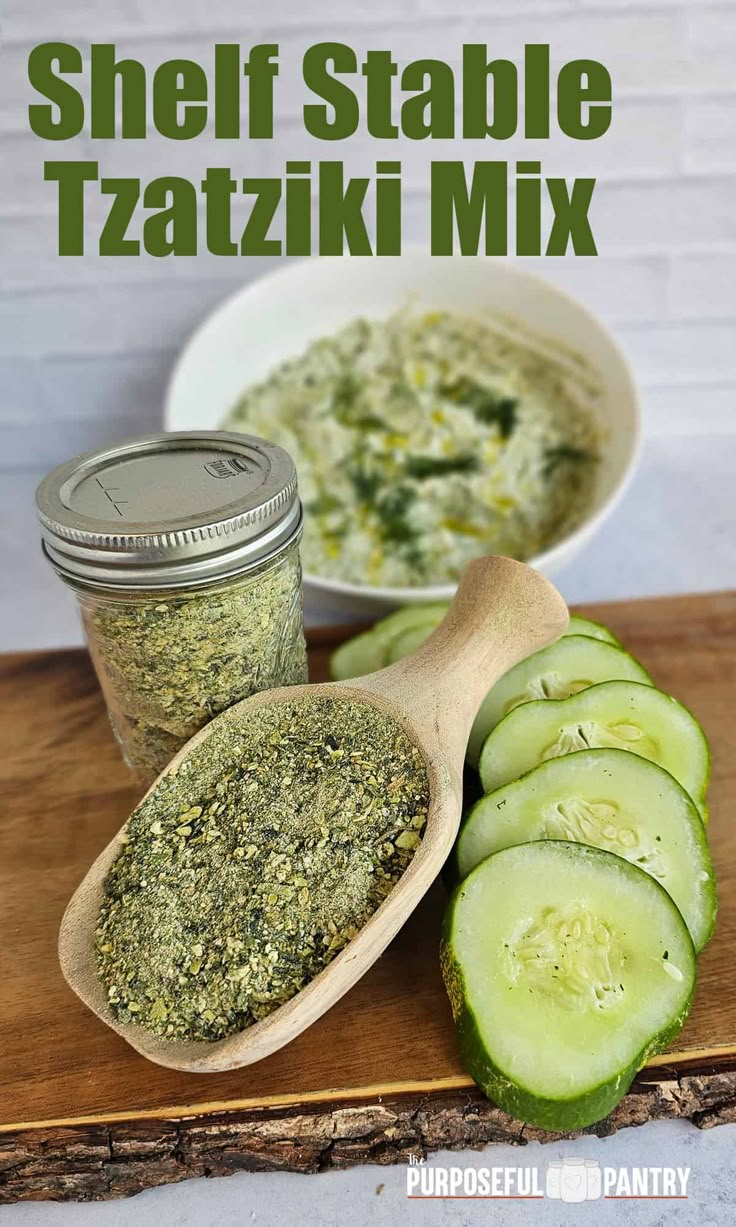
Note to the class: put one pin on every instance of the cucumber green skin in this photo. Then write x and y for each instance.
(593, 630)
(556, 1115)
(472, 794)
(453, 872)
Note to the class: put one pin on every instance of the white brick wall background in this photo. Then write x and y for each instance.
(86, 343)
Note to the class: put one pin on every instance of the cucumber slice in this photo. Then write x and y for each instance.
(594, 630)
(395, 624)
(369, 651)
(363, 654)
(625, 715)
(566, 969)
(566, 667)
(612, 800)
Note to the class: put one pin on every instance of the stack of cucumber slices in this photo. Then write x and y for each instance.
(585, 887)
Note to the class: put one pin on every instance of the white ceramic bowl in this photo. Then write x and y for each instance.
(277, 316)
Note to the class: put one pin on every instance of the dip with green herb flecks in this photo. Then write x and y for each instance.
(424, 440)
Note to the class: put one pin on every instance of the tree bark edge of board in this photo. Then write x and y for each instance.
(92, 1162)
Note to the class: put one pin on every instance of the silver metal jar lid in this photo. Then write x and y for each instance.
(169, 510)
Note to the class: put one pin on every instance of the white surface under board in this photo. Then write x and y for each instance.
(376, 1196)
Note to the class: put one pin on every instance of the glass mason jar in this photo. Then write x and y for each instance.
(183, 551)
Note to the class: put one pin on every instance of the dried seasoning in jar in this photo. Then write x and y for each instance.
(183, 550)
(252, 864)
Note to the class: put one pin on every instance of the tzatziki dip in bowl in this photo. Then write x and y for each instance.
(436, 409)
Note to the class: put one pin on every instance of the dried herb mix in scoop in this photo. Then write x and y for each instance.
(252, 865)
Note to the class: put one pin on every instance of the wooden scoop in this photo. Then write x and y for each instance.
(503, 611)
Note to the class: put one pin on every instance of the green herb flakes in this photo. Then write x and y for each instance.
(555, 457)
(428, 438)
(169, 664)
(226, 898)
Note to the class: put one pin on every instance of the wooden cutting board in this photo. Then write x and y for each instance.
(83, 1116)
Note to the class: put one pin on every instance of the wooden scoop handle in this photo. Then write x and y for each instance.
(502, 612)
